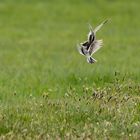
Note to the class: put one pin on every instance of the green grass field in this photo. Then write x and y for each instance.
(48, 90)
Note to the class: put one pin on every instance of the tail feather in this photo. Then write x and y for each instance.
(91, 60)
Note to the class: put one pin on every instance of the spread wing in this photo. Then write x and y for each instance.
(82, 50)
(86, 45)
(95, 46)
(91, 35)
(99, 26)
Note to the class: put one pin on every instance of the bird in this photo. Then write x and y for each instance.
(92, 45)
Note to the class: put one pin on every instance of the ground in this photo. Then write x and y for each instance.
(48, 90)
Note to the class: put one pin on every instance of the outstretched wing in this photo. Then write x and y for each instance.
(91, 35)
(95, 46)
(99, 26)
(86, 45)
(82, 50)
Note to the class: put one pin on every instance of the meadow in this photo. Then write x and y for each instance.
(48, 90)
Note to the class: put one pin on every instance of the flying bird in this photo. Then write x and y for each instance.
(89, 47)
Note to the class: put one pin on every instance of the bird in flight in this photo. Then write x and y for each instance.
(89, 47)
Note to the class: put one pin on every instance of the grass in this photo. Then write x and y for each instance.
(48, 91)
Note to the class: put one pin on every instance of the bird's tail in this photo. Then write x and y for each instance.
(91, 60)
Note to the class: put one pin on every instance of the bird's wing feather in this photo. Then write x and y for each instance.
(95, 46)
(85, 43)
(90, 27)
(81, 49)
(91, 35)
(99, 26)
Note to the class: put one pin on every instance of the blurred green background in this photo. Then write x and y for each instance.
(39, 59)
(38, 43)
